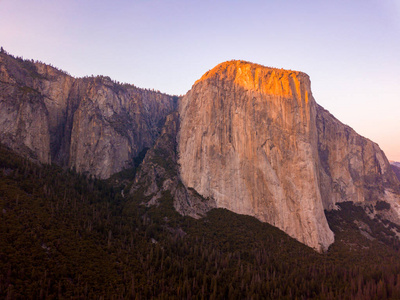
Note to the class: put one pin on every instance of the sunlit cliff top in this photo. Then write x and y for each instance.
(255, 77)
(244, 66)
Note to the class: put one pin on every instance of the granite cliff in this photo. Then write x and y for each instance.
(93, 124)
(253, 139)
(353, 168)
(247, 138)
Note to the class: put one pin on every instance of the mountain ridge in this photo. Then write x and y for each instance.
(91, 124)
(247, 138)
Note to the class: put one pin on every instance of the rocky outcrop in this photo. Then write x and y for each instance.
(159, 174)
(91, 124)
(355, 169)
(249, 140)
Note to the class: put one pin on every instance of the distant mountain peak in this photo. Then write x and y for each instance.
(395, 163)
(396, 168)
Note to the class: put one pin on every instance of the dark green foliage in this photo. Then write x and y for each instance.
(382, 205)
(52, 233)
(352, 220)
(163, 159)
(122, 123)
(64, 235)
(30, 67)
(128, 175)
(28, 90)
(27, 67)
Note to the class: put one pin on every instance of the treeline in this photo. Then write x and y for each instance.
(65, 235)
(30, 65)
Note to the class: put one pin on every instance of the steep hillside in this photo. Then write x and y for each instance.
(65, 235)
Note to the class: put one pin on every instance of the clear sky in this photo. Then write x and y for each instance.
(350, 48)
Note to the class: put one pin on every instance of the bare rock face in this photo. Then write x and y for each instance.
(91, 124)
(249, 140)
(25, 116)
(113, 124)
(353, 168)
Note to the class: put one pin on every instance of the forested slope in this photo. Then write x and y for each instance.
(64, 235)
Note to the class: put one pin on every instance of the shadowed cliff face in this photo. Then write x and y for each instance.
(248, 139)
(353, 167)
(92, 124)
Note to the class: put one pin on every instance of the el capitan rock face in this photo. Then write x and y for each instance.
(249, 140)
(253, 139)
(91, 124)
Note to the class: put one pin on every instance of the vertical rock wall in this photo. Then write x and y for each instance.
(248, 139)
(92, 124)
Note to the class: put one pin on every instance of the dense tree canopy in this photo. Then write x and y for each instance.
(66, 235)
